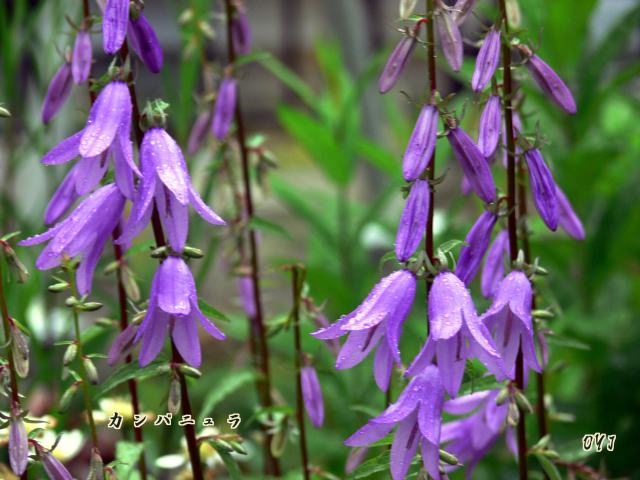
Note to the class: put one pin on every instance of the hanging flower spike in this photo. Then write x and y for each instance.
(173, 306)
(489, 127)
(543, 188)
(396, 63)
(549, 81)
(461, 10)
(456, 333)
(474, 165)
(83, 233)
(55, 470)
(114, 25)
(567, 218)
(487, 61)
(82, 57)
(381, 315)
(509, 317)
(417, 412)
(421, 144)
(312, 395)
(413, 220)
(145, 43)
(477, 241)
(57, 93)
(225, 108)
(450, 39)
(165, 177)
(241, 32)
(493, 270)
(18, 445)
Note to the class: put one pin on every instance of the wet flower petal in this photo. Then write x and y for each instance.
(413, 221)
(487, 61)
(490, 127)
(567, 218)
(473, 163)
(493, 270)
(114, 25)
(18, 446)
(421, 144)
(82, 57)
(477, 241)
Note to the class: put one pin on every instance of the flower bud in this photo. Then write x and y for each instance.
(241, 32)
(473, 164)
(20, 351)
(312, 395)
(70, 354)
(96, 467)
(129, 283)
(4, 113)
(450, 39)
(493, 270)
(14, 262)
(461, 10)
(396, 63)
(421, 144)
(406, 8)
(489, 128)
(92, 371)
(224, 108)
(543, 188)
(448, 458)
(513, 414)
(88, 306)
(145, 43)
(413, 221)
(567, 218)
(192, 252)
(81, 57)
(174, 399)
(502, 396)
(55, 470)
(487, 61)
(57, 93)
(18, 445)
(189, 371)
(67, 397)
(477, 241)
(58, 287)
(522, 402)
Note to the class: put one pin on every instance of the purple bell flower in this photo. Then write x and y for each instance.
(493, 270)
(225, 108)
(477, 241)
(450, 39)
(199, 131)
(55, 470)
(543, 188)
(456, 333)
(145, 43)
(487, 61)
(122, 345)
(173, 306)
(57, 93)
(165, 177)
(417, 413)
(421, 144)
(509, 318)
(413, 220)
(241, 32)
(474, 165)
(312, 395)
(82, 57)
(114, 25)
(549, 81)
(567, 218)
(381, 315)
(83, 233)
(18, 445)
(490, 127)
(396, 63)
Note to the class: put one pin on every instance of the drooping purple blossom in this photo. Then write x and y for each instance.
(493, 270)
(396, 63)
(241, 32)
(567, 218)
(417, 414)
(490, 127)
(474, 165)
(477, 241)
(312, 395)
(58, 92)
(450, 39)
(375, 321)
(456, 333)
(173, 307)
(55, 470)
(225, 108)
(543, 188)
(18, 444)
(114, 25)
(509, 318)
(413, 220)
(145, 43)
(487, 61)
(421, 144)
(82, 234)
(166, 179)
(321, 321)
(82, 57)
(122, 345)
(199, 131)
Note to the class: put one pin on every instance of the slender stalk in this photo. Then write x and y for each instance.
(512, 219)
(296, 280)
(272, 465)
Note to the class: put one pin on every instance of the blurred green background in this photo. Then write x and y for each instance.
(334, 201)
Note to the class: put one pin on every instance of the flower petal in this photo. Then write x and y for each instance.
(165, 155)
(185, 337)
(175, 286)
(66, 150)
(114, 25)
(153, 337)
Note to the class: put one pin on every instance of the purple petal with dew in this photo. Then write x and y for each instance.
(84, 274)
(482, 345)
(421, 144)
(370, 433)
(477, 242)
(57, 93)
(141, 212)
(451, 362)
(175, 286)
(122, 173)
(403, 448)
(423, 359)
(153, 337)
(89, 171)
(207, 324)
(396, 63)
(65, 151)
(114, 25)
(185, 337)
(312, 395)
(145, 43)
(383, 366)
(203, 209)
(82, 57)
(487, 60)
(358, 345)
(445, 315)
(489, 128)
(164, 153)
(431, 459)
(406, 286)
(18, 446)
(406, 403)
(543, 188)
(413, 221)
(174, 216)
(430, 412)
(467, 403)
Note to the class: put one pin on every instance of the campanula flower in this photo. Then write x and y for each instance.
(225, 108)
(122, 345)
(456, 333)
(417, 414)
(241, 32)
(474, 165)
(543, 188)
(58, 92)
(493, 270)
(114, 25)
(477, 241)
(413, 220)
(421, 144)
(312, 395)
(450, 39)
(145, 43)
(55, 470)
(396, 63)
(199, 131)
(18, 445)
(490, 127)
(82, 57)
(173, 307)
(567, 218)
(487, 61)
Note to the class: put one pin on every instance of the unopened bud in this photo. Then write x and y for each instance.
(70, 354)
(237, 447)
(20, 351)
(222, 445)
(111, 267)
(89, 306)
(71, 301)
(160, 252)
(513, 415)
(138, 317)
(175, 397)
(130, 285)
(552, 454)
(4, 113)
(448, 458)
(190, 371)
(15, 264)
(58, 287)
(523, 403)
(67, 397)
(279, 441)
(543, 314)
(192, 252)
(406, 8)
(502, 396)
(514, 14)
(90, 368)
(96, 469)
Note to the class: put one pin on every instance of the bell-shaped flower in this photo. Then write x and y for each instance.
(543, 188)
(82, 57)
(509, 318)
(377, 320)
(58, 92)
(173, 308)
(114, 25)
(18, 445)
(450, 39)
(225, 108)
(421, 144)
(145, 43)
(413, 220)
(166, 179)
(396, 63)
(82, 234)
(493, 270)
(417, 414)
(490, 127)
(312, 395)
(199, 131)
(477, 242)
(567, 218)
(455, 333)
(487, 61)
(474, 165)
(52, 466)
(241, 32)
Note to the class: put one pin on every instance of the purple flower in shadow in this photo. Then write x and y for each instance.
(549, 82)
(567, 217)
(543, 188)
(145, 43)
(396, 63)
(57, 93)
(493, 270)
(489, 127)
(224, 109)
(55, 470)
(474, 165)
(450, 39)
(82, 57)
(241, 32)
(413, 221)
(312, 395)
(487, 61)
(421, 144)
(477, 241)
(18, 445)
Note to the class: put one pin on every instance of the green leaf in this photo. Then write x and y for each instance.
(291, 80)
(223, 389)
(231, 464)
(549, 467)
(377, 156)
(212, 312)
(127, 455)
(267, 226)
(449, 245)
(253, 57)
(131, 371)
